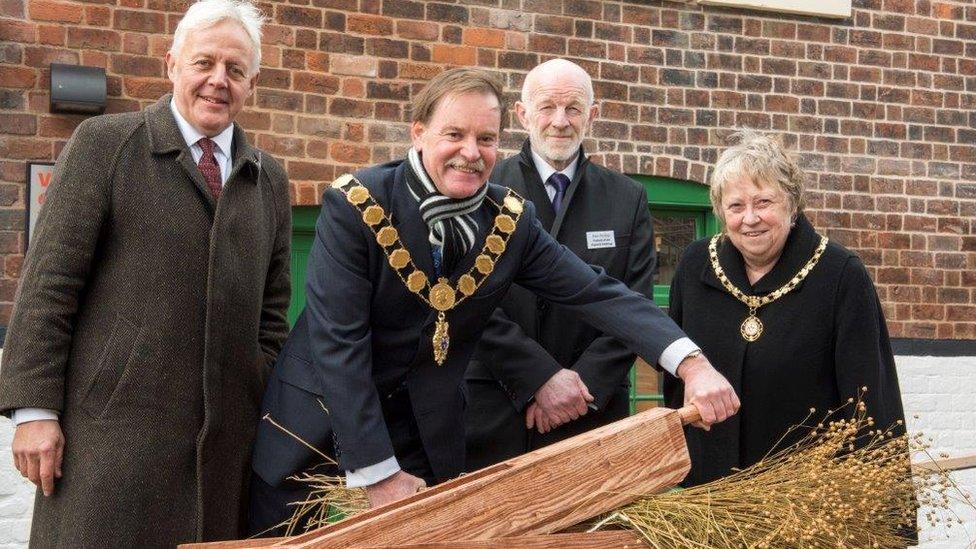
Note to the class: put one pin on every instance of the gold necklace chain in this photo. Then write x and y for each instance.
(441, 296)
(752, 327)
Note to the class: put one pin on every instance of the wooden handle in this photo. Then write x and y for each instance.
(689, 414)
(948, 464)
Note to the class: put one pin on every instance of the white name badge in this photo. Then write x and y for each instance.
(600, 239)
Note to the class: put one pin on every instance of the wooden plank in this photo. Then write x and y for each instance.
(621, 539)
(538, 493)
(237, 544)
(948, 464)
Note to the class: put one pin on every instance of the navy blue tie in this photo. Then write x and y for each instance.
(559, 182)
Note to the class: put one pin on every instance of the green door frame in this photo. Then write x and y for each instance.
(302, 234)
(674, 198)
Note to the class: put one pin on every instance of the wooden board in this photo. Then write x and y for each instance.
(538, 493)
(623, 539)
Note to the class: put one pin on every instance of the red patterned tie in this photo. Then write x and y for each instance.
(209, 168)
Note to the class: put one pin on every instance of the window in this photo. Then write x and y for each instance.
(682, 214)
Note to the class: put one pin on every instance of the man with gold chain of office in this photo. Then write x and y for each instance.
(410, 258)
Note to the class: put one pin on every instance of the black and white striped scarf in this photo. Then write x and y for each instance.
(451, 226)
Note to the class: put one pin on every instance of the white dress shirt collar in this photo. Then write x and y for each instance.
(545, 170)
(224, 140)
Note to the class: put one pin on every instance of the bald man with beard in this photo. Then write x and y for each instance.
(541, 374)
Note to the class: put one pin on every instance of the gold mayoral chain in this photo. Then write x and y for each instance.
(441, 296)
(752, 327)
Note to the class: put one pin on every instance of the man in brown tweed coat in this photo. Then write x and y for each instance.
(152, 304)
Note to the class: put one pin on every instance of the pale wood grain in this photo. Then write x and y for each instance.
(601, 540)
(538, 493)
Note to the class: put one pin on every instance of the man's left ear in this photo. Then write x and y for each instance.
(594, 110)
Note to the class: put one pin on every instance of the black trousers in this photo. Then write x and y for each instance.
(269, 505)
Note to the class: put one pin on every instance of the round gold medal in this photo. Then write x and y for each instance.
(495, 243)
(442, 296)
(373, 215)
(399, 258)
(467, 284)
(357, 195)
(484, 264)
(416, 281)
(387, 236)
(513, 204)
(505, 223)
(751, 328)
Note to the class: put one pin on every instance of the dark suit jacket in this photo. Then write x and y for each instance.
(528, 339)
(363, 332)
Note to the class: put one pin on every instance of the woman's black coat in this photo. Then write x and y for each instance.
(822, 342)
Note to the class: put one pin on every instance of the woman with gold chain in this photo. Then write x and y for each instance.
(791, 319)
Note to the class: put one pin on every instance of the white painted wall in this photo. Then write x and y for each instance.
(941, 391)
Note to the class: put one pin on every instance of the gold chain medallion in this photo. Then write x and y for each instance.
(441, 296)
(752, 328)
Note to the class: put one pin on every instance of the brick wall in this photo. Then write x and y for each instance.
(881, 107)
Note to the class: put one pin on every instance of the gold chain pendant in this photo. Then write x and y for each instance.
(440, 296)
(441, 339)
(751, 327)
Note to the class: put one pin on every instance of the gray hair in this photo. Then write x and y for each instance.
(207, 13)
(552, 65)
(763, 159)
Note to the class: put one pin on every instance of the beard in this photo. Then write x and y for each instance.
(557, 152)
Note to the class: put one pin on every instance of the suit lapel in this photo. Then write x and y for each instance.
(535, 188)
(165, 138)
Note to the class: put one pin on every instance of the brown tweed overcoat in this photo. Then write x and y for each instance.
(149, 317)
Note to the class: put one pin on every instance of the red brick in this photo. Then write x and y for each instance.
(146, 88)
(24, 148)
(281, 146)
(419, 71)
(18, 31)
(58, 126)
(348, 153)
(454, 55)
(309, 171)
(480, 37)
(17, 77)
(315, 83)
(143, 21)
(47, 10)
(18, 124)
(137, 65)
(417, 30)
(94, 38)
(369, 24)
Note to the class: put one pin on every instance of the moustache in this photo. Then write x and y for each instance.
(461, 164)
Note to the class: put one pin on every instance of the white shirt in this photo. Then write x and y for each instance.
(546, 171)
(224, 141)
